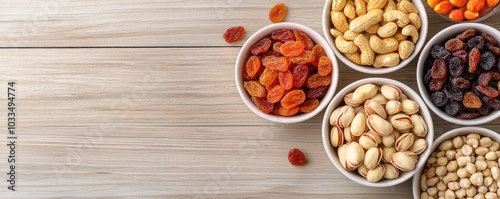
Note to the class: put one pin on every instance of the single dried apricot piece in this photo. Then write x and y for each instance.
(267, 77)
(304, 58)
(261, 47)
(470, 15)
(317, 93)
(300, 74)
(275, 94)
(324, 66)
(263, 105)
(275, 63)
(474, 58)
(482, 12)
(292, 48)
(277, 13)
(293, 98)
(471, 100)
(475, 5)
(433, 3)
(296, 157)
(318, 52)
(309, 106)
(304, 38)
(254, 89)
(283, 35)
(456, 15)
(316, 80)
(443, 7)
(286, 79)
(288, 112)
(234, 34)
(458, 3)
(252, 66)
(491, 3)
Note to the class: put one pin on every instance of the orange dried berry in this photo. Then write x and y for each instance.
(292, 48)
(483, 10)
(491, 3)
(275, 94)
(254, 89)
(316, 81)
(275, 63)
(324, 66)
(286, 79)
(318, 52)
(288, 112)
(304, 38)
(276, 46)
(304, 58)
(252, 66)
(267, 77)
(309, 106)
(469, 15)
(456, 15)
(433, 3)
(458, 3)
(475, 5)
(471, 100)
(293, 98)
(443, 7)
(277, 13)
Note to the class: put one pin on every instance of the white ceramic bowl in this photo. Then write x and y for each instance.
(327, 24)
(245, 54)
(338, 100)
(441, 38)
(447, 136)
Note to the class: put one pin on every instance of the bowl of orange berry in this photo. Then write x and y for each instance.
(286, 73)
(464, 10)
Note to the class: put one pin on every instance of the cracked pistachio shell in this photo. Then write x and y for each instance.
(336, 136)
(391, 92)
(358, 124)
(419, 126)
(389, 140)
(393, 107)
(379, 125)
(409, 107)
(402, 122)
(387, 153)
(403, 161)
(380, 99)
(348, 136)
(373, 157)
(355, 155)
(343, 117)
(341, 152)
(390, 172)
(348, 100)
(418, 146)
(373, 107)
(404, 142)
(369, 140)
(376, 174)
(364, 92)
(362, 170)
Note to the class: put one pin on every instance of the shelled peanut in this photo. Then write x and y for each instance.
(377, 33)
(460, 10)
(463, 167)
(378, 132)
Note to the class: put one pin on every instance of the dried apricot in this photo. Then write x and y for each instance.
(304, 38)
(316, 80)
(261, 47)
(263, 105)
(433, 3)
(475, 5)
(277, 13)
(471, 100)
(275, 63)
(292, 48)
(458, 3)
(309, 106)
(234, 34)
(456, 15)
(324, 66)
(293, 98)
(470, 15)
(443, 7)
(491, 3)
(286, 79)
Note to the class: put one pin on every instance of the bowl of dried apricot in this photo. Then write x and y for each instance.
(464, 10)
(458, 74)
(376, 37)
(286, 73)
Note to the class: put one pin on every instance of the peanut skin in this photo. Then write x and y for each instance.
(361, 23)
(367, 54)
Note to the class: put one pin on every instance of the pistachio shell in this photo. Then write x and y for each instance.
(348, 100)
(373, 107)
(402, 122)
(341, 152)
(402, 161)
(376, 174)
(379, 125)
(389, 140)
(409, 107)
(393, 107)
(354, 155)
(404, 142)
(387, 153)
(358, 124)
(372, 157)
(336, 136)
(380, 99)
(418, 146)
(345, 116)
(391, 92)
(364, 92)
(390, 172)
(334, 115)
(363, 171)
(419, 126)
(348, 136)
(369, 140)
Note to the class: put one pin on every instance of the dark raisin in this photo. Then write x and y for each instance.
(452, 108)
(439, 69)
(484, 110)
(460, 83)
(488, 91)
(440, 52)
(474, 58)
(466, 34)
(495, 76)
(492, 102)
(495, 50)
(484, 79)
(476, 42)
(439, 99)
(472, 115)
(436, 84)
(488, 39)
(487, 61)
(453, 45)
(468, 76)
(428, 77)
(456, 66)
(462, 54)
(453, 93)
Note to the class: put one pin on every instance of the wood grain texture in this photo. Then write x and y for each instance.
(162, 119)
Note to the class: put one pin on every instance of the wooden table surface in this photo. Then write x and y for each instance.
(137, 99)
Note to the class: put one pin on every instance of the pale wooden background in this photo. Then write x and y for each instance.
(124, 98)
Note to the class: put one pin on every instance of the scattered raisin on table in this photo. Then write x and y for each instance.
(234, 34)
(277, 13)
(296, 157)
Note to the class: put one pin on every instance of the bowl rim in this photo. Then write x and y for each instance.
(327, 24)
(330, 151)
(440, 37)
(244, 53)
(446, 136)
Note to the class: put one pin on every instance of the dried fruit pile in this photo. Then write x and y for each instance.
(462, 76)
(459, 10)
(287, 73)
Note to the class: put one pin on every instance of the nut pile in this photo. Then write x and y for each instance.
(462, 75)
(463, 167)
(376, 33)
(378, 132)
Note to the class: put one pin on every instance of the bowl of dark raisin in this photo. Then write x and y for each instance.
(458, 74)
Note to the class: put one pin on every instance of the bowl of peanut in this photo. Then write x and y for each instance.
(464, 10)
(376, 132)
(463, 164)
(286, 73)
(377, 37)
